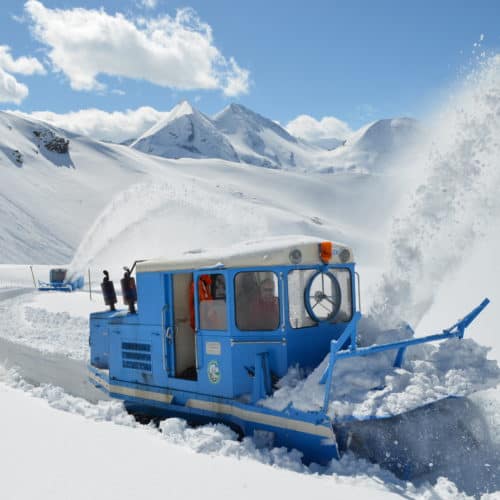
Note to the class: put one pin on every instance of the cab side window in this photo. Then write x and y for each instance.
(212, 302)
(257, 301)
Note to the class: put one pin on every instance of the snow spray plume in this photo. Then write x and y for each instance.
(454, 205)
(125, 209)
(120, 235)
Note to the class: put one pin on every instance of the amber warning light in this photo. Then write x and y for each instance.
(325, 251)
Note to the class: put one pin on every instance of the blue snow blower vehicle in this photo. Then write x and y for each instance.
(214, 334)
(60, 281)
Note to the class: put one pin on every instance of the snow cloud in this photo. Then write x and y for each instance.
(312, 130)
(176, 52)
(114, 126)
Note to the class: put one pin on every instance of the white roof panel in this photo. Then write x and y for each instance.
(266, 252)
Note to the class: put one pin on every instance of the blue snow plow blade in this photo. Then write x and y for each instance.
(349, 336)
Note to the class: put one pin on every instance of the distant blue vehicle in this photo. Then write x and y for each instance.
(214, 333)
(59, 281)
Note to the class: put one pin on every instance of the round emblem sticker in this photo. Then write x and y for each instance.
(213, 372)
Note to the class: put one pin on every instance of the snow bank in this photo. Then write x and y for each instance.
(54, 322)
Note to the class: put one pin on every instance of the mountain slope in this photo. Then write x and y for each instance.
(112, 201)
(241, 135)
(116, 198)
(54, 184)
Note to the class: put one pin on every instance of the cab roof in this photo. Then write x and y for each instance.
(283, 250)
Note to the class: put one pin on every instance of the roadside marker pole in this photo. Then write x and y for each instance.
(90, 286)
(33, 276)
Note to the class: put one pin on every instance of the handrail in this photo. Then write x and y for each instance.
(358, 279)
(455, 331)
(163, 336)
(196, 364)
(280, 341)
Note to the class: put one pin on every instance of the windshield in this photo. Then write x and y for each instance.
(315, 296)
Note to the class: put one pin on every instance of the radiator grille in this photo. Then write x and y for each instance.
(134, 346)
(136, 356)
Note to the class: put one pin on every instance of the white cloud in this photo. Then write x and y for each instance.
(176, 52)
(310, 129)
(10, 89)
(148, 4)
(114, 126)
(236, 80)
(23, 65)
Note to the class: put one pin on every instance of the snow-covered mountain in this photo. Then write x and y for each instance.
(375, 145)
(383, 136)
(239, 134)
(260, 141)
(185, 133)
(235, 134)
(72, 178)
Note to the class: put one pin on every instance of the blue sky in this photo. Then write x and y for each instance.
(356, 60)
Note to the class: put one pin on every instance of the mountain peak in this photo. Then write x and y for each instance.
(239, 108)
(235, 118)
(183, 108)
(186, 133)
